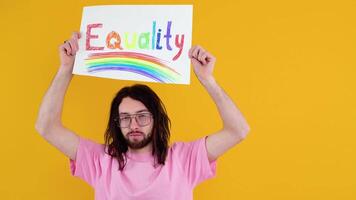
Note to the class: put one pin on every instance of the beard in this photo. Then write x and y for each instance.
(138, 144)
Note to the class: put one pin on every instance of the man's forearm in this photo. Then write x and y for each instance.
(231, 116)
(51, 107)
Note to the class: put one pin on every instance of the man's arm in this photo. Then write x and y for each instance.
(49, 123)
(235, 127)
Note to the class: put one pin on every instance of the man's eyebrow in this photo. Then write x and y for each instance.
(140, 111)
(144, 110)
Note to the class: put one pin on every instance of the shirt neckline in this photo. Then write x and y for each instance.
(141, 157)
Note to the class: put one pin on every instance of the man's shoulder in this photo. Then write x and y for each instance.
(91, 146)
(179, 146)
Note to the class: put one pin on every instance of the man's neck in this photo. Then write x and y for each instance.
(146, 149)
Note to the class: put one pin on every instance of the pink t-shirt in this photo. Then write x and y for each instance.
(186, 166)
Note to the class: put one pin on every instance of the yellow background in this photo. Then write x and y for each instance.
(289, 66)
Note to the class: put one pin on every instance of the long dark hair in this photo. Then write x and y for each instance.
(114, 139)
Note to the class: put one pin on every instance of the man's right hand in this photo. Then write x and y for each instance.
(67, 52)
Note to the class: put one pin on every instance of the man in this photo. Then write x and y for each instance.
(136, 161)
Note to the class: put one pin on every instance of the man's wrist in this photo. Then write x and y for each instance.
(65, 70)
(208, 81)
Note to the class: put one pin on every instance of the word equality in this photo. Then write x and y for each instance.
(146, 40)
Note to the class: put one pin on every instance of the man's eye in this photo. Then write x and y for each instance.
(124, 118)
(144, 115)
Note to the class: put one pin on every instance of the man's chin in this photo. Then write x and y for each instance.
(137, 143)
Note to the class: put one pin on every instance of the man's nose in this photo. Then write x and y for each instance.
(134, 123)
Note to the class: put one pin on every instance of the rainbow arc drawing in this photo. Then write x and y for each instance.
(139, 63)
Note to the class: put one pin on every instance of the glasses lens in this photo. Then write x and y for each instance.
(125, 121)
(143, 119)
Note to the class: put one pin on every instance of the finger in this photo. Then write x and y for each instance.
(76, 46)
(200, 54)
(67, 48)
(191, 51)
(75, 37)
(195, 52)
(203, 59)
(195, 62)
(210, 57)
(72, 46)
(62, 49)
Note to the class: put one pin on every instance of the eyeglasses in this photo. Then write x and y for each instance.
(142, 119)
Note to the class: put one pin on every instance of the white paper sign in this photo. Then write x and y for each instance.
(136, 42)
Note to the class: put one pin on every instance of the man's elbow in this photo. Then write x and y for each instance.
(240, 133)
(245, 131)
(41, 128)
(45, 128)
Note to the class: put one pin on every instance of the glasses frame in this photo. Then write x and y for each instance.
(118, 120)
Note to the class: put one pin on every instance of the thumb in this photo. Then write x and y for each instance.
(195, 62)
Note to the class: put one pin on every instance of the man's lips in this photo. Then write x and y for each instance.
(135, 134)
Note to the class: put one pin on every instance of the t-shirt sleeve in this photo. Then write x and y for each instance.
(193, 158)
(87, 164)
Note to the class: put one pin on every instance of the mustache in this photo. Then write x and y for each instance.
(135, 132)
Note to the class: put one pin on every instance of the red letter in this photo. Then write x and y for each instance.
(179, 45)
(89, 27)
